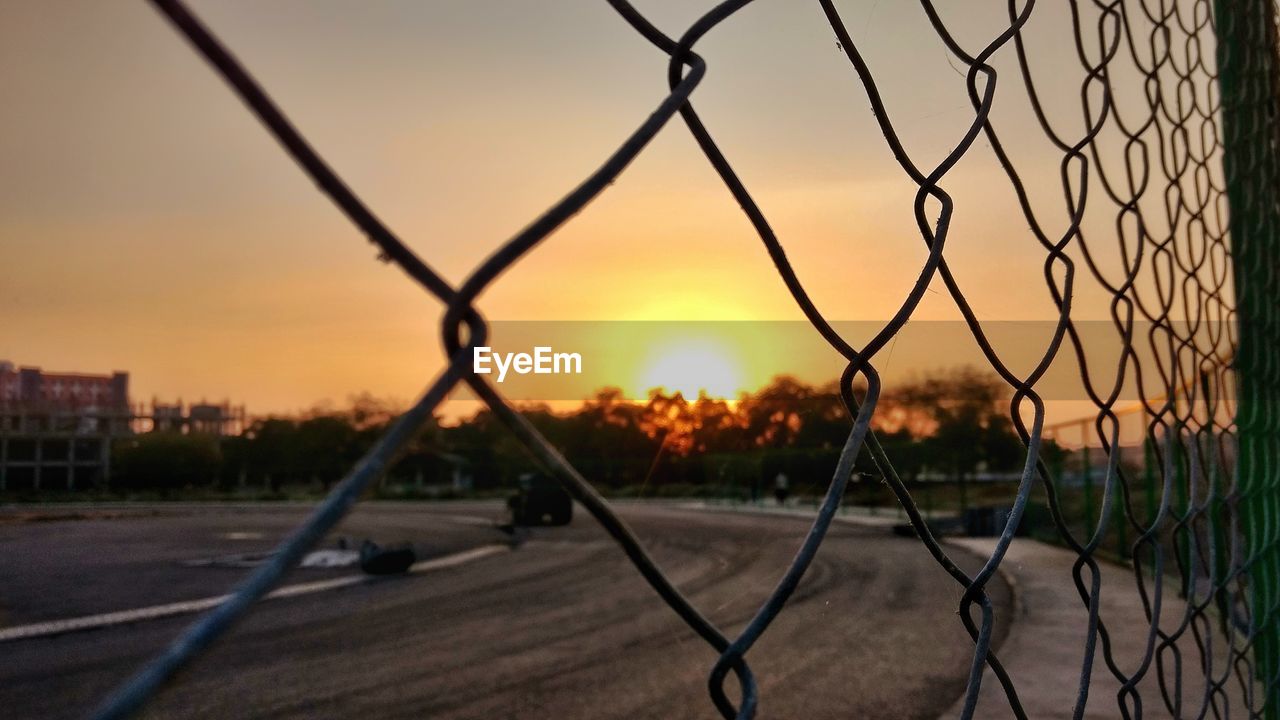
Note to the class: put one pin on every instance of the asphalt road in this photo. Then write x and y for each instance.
(561, 628)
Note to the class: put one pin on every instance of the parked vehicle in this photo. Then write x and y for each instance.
(540, 500)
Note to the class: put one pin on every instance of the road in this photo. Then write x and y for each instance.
(563, 627)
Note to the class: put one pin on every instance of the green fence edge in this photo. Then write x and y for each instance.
(1249, 81)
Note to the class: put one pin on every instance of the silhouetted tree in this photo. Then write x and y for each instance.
(953, 421)
(166, 461)
(325, 448)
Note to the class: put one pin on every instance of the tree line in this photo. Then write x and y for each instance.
(951, 423)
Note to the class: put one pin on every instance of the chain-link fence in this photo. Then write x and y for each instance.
(1202, 144)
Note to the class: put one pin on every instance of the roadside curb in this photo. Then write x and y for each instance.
(1044, 650)
(865, 520)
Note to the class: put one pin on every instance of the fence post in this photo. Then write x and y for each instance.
(1150, 471)
(1086, 475)
(1249, 81)
(1184, 535)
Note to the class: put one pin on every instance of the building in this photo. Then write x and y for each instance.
(62, 392)
(56, 429)
(201, 418)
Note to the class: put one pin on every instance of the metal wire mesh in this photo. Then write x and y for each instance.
(1206, 287)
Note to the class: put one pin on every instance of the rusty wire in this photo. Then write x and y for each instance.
(1185, 255)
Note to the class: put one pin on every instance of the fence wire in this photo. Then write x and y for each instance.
(1203, 278)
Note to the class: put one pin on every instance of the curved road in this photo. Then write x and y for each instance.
(561, 628)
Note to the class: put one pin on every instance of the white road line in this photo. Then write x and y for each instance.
(456, 559)
(122, 617)
(468, 520)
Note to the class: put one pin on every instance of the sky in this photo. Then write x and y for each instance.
(148, 224)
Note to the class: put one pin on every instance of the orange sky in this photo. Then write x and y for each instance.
(147, 223)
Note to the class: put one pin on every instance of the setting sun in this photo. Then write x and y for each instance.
(692, 365)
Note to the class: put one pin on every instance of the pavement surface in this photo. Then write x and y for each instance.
(563, 627)
(1045, 653)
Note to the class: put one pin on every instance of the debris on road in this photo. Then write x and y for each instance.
(390, 560)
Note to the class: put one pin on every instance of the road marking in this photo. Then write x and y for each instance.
(469, 520)
(330, 559)
(123, 617)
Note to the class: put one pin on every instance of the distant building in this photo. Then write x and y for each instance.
(34, 389)
(201, 418)
(56, 429)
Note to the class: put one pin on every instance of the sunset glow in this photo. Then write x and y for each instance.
(150, 225)
(693, 366)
